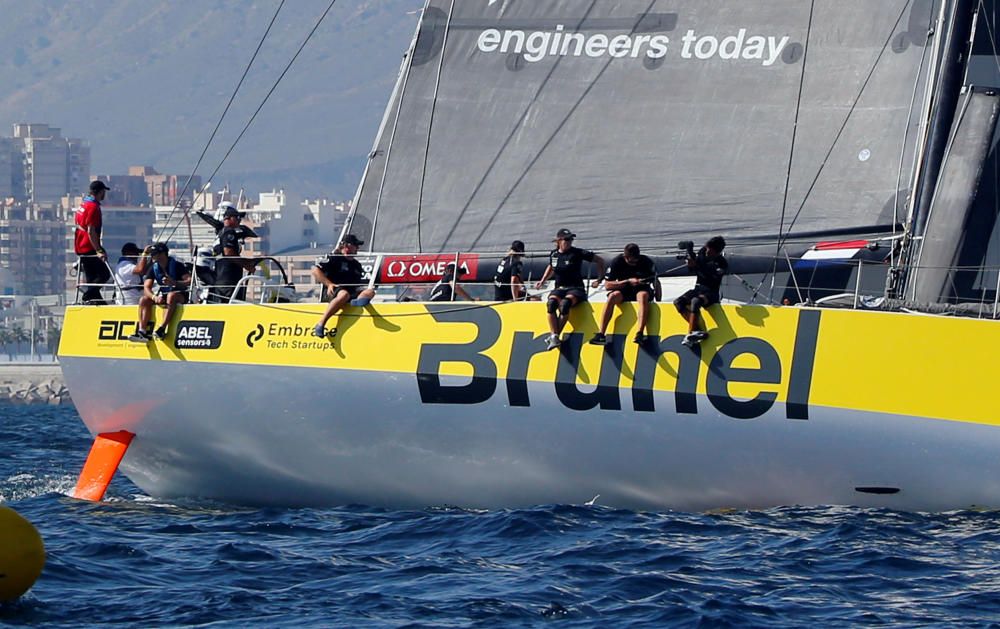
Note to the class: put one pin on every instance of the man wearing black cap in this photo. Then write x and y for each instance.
(242, 230)
(93, 263)
(508, 285)
(229, 266)
(566, 264)
(341, 277)
(129, 272)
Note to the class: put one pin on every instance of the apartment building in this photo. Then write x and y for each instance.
(31, 247)
(39, 166)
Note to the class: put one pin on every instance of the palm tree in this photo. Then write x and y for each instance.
(6, 338)
(20, 337)
(37, 341)
(53, 336)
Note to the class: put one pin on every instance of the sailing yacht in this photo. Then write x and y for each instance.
(840, 147)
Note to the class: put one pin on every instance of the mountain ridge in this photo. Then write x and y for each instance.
(146, 82)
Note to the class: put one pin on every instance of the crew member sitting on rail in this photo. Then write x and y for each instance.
(566, 264)
(129, 272)
(631, 277)
(508, 285)
(229, 266)
(165, 284)
(710, 266)
(342, 278)
(442, 290)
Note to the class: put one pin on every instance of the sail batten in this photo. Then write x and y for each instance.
(646, 121)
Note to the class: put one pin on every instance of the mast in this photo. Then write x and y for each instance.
(956, 19)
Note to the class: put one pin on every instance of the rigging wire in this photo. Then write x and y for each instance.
(430, 123)
(517, 126)
(795, 126)
(996, 59)
(847, 119)
(902, 153)
(850, 112)
(989, 28)
(544, 147)
(225, 111)
(267, 96)
(791, 148)
(399, 89)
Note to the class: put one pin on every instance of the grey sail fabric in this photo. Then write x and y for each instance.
(648, 121)
(955, 196)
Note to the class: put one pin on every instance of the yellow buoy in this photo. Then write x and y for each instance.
(22, 555)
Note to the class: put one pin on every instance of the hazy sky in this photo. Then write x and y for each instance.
(145, 82)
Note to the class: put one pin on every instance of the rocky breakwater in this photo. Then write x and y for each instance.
(28, 383)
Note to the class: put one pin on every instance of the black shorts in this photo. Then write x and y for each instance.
(351, 290)
(631, 293)
(222, 294)
(503, 293)
(563, 293)
(707, 297)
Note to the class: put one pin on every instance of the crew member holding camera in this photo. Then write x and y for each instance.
(709, 266)
(631, 277)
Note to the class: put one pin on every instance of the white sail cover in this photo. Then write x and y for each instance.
(648, 121)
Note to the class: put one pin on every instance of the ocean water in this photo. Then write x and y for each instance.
(134, 560)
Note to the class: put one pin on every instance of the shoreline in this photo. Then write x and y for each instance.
(33, 383)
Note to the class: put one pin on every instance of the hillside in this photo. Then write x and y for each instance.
(145, 83)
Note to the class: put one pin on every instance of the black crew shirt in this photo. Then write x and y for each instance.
(568, 266)
(344, 271)
(228, 272)
(441, 291)
(644, 269)
(710, 270)
(509, 268)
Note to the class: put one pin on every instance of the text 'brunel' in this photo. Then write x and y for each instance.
(606, 395)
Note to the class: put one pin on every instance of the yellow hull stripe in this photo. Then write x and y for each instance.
(903, 364)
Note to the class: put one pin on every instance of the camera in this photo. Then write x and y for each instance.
(687, 246)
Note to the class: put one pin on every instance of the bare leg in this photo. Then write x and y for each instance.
(564, 319)
(339, 301)
(553, 318)
(643, 299)
(614, 298)
(173, 298)
(145, 311)
(692, 319)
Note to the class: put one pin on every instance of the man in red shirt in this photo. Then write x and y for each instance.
(93, 258)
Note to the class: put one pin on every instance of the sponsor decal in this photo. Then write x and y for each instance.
(426, 268)
(199, 334)
(115, 331)
(285, 336)
(563, 41)
(368, 263)
(722, 370)
(255, 335)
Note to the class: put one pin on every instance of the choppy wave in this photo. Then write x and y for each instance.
(135, 560)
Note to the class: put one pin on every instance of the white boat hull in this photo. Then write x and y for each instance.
(266, 435)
